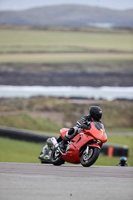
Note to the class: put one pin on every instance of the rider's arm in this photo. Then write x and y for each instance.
(86, 118)
(84, 122)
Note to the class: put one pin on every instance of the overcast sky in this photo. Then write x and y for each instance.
(24, 4)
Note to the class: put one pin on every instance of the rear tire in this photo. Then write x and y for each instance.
(56, 158)
(89, 159)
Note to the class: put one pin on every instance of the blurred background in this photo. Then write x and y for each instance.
(57, 59)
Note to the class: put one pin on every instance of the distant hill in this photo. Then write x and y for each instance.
(68, 15)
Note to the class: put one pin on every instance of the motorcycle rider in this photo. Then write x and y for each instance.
(95, 114)
(45, 155)
(123, 162)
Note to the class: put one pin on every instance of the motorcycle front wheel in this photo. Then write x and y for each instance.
(56, 157)
(88, 159)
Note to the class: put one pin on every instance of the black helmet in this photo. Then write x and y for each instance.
(96, 112)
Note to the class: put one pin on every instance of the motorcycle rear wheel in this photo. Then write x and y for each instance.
(56, 157)
(89, 159)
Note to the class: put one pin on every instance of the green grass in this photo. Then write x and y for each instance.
(24, 46)
(26, 152)
(120, 130)
(57, 46)
(63, 58)
(121, 140)
(29, 39)
(26, 121)
(19, 151)
(31, 113)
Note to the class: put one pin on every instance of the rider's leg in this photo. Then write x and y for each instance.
(69, 135)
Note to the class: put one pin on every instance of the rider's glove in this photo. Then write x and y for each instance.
(86, 126)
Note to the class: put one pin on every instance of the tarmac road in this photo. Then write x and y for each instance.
(20, 181)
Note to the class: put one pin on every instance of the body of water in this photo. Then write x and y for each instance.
(108, 93)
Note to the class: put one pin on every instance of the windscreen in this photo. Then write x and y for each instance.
(99, 126)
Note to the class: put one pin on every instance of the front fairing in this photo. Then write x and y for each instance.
(97, 131)
(76, 143)
(79, 140)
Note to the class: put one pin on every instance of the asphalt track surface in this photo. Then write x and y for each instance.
(20, 181)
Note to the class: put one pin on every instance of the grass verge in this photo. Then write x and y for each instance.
(22, 40)
(64, 58)
(19, 151)
(25, 121)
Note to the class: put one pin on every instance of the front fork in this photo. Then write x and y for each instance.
(87, 150)
(90, 145)
(56, 145)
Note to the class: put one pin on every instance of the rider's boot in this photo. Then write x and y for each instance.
(69, 135)
(63, 143)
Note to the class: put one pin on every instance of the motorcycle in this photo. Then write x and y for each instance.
(84, 148)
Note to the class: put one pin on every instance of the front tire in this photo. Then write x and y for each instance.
(56, 157)
(89, 159)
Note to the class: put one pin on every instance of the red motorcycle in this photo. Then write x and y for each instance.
(84, 148)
